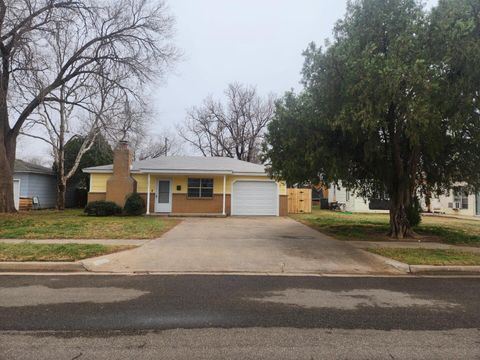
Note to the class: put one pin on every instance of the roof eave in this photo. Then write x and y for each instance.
(185, 171)
(181, 172)
(33, 172)
(238, 173)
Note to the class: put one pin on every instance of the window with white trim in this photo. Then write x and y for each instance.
(460, 199)
(200, 188)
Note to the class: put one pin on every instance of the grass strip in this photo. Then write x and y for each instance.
(429, 256)
(27, 251)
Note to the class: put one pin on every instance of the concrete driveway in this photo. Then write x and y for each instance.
(245, 245)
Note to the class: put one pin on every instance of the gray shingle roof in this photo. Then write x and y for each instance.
(21, 166)
(185, 164)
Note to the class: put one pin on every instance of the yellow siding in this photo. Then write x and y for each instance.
(99, 182)
(142, 181)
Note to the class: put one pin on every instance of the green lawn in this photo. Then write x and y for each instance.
(73, 224)
(429, 256)
(373, 227)
(55, 252)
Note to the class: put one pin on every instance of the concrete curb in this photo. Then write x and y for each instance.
(405, 268)
(447, 269)
(40, 266)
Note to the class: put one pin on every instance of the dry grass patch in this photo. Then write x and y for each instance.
(74, 224)
(55, 252)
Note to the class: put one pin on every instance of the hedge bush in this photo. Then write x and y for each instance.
(414, 213)
(102, 208)
(134, 205)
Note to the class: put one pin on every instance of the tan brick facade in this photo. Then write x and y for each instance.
(94, 196)
(152, 200)
(181, 204)
(121, 184)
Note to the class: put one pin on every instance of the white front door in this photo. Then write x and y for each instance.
(163, 196)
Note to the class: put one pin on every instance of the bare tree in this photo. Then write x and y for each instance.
(106, 39)
(152, 147)
(70, 112)
(235, 129)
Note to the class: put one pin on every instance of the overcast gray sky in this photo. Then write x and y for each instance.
(257, 42)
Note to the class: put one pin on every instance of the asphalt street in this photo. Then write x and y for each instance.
(238, 317)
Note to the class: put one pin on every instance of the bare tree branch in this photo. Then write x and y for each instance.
(235, 129)
(76, 67)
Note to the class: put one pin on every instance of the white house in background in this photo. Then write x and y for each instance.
(457, 202)
(354, 203)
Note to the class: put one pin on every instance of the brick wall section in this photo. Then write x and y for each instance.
(96, 196)
(120, 184)
(152, 200)
(283, 211)
(183, 205)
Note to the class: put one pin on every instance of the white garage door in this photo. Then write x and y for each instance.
(254, 198)
(16, 193)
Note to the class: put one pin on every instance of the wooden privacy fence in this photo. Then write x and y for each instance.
(299, 201)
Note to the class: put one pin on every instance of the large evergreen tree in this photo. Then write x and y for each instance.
(391, 105)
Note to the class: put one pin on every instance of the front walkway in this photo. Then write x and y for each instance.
(243, 245)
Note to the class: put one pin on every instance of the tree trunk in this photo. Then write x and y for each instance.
(61, 188)
(400, 226)
(7, 160)
(61, 181)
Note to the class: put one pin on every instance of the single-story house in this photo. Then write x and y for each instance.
(456, 202)
(351, 202)
(34, 186)
(189, 185)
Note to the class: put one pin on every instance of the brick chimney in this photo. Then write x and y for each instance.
(120, 184)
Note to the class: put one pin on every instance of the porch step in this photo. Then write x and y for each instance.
(197, 215)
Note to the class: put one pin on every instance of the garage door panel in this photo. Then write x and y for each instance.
(254, 198)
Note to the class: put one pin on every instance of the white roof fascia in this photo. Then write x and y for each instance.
(249, 174)
(185, 172)
(87, 171)
(181, 172)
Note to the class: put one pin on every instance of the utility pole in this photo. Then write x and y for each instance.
(166, 146)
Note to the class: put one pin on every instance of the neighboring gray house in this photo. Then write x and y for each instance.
(31, 181)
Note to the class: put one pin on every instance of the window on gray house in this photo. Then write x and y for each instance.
(200, 188)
